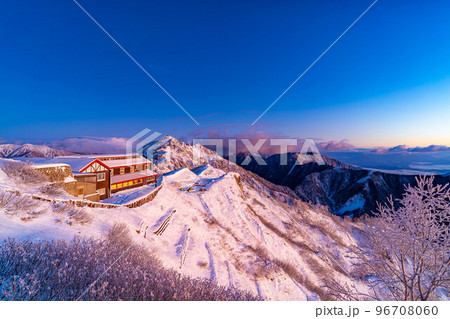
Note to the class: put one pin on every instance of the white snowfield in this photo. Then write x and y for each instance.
(210, 223)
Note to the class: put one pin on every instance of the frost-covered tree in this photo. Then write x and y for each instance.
(404, 252)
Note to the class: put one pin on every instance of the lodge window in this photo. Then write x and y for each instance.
(132, 169)
(122, 170)
(101, 176)
(113, 186)
(119, 185)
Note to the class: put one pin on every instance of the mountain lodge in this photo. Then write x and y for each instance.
(118, 172)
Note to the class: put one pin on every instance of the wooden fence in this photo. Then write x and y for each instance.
(141, 201)
(82, 203)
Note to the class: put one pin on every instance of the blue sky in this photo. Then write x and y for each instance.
(386, 82)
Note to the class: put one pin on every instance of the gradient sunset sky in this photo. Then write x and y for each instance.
(385, 83)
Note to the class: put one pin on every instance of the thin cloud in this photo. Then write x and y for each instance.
(333, 146)
(417, 149)
(92, 145)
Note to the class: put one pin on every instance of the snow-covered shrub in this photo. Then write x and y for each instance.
(6, 198)
(73, 213)
(405, 251)
(33, 213)
(79, 216)
(292, 271)
(119, 233)
(52, 189)
(303, 280)
(56, 174)
(328, 223)
(14, 202)
(23, 172)
(61, 207)
(56, 270)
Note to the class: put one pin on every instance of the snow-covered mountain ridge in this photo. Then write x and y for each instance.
(29, 150)
(215, 220)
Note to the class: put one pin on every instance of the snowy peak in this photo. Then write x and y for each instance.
(29, 150)
(170, 154)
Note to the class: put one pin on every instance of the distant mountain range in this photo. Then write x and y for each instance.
(29, 150)
(344, 189)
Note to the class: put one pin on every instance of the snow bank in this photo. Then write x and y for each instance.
(180, 175)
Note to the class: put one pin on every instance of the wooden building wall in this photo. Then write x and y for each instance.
(104, 184)
(87, 184)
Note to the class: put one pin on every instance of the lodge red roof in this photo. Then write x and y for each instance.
(132, 160)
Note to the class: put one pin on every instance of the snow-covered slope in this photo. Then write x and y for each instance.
(238, 237)
(217, 221)
(29, 150)
(171, 154)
